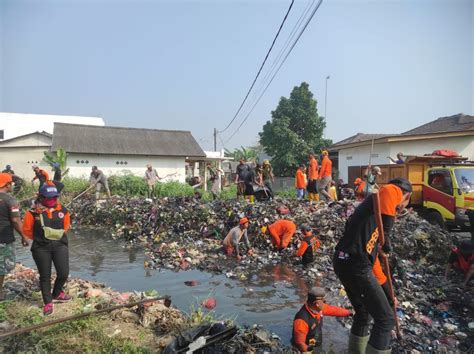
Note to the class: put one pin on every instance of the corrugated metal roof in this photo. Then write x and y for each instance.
(358, 138)
(457, 123)
(89, 139)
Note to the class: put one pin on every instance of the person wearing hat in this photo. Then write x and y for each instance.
(462, 258)
(8, 169)
(232, 240)
(354, 259)
(9, 222)
(359, 186)
(325, 177)
(281, 232)
(151, 178)
(47, 225)
(41, 175)
(371, 179)
(309, 245)
(99, 180)
(268, 177)
(308, 322)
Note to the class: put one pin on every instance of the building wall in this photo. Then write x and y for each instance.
(464, 145)
(359, 156)
(17, 124)
(136, 165)
(22, 158)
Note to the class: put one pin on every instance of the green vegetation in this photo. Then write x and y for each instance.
(289, 193)
(295, 130)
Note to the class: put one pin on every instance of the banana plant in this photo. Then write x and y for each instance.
(58, 158)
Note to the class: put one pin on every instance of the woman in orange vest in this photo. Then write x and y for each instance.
(47, 225)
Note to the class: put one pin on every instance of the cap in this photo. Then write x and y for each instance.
(5, 178)
(404, 184)
(266, 162)
(243, 221)
(324, 152)
(48, 191)
(306, 228)
(148, 166)
(34, 167)
(316, 293)
(377, 170)
(357, 181)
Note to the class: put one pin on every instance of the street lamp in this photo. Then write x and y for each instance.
(326, 99)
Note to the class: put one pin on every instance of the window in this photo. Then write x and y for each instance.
(441, 180)
(1, 134)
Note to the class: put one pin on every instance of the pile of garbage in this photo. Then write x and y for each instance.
(185, 233)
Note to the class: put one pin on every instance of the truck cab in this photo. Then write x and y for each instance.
(447, 192)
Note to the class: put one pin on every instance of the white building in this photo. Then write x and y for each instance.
(13, 125)
(453, 133)
(118, 151)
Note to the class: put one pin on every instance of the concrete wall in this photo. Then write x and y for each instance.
(359, 156)
(22, 158)
(134, 164)
(17, 124)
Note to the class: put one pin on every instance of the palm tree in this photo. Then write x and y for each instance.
(60, 158)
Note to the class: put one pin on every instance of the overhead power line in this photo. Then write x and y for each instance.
(261, 67)
(278, 69)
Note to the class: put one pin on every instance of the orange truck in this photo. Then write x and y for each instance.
(443, 188)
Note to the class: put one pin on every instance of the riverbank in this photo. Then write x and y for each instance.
(141, 329)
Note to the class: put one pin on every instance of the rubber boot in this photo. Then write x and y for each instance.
(357, 345)
(252, 199)
(372, 350)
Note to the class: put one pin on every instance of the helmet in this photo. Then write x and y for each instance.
(377, 170)
(48, 191)
(357, 181)
(5, 178)
(404, 184)
(266, 162)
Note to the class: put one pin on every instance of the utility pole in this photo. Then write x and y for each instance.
(215, 139)
(326, 100)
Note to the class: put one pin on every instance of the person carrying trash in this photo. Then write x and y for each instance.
(9, 222)
(232, 240)
(99, 180)
(308, 322)
(41, 175)
(313, 176)
(47, 225)
(354, 259)
(462, 258)
(281, 232)
(309, 245)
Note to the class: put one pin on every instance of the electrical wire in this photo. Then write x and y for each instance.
(279, 67)
(261, 67)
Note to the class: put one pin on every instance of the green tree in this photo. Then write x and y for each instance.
(295, 130)
(59, 158)
(249, 153)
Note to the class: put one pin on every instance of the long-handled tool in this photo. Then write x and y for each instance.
(379, 222)
(82, 315)
(80, 195)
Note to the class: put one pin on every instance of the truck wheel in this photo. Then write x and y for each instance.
(435, 218)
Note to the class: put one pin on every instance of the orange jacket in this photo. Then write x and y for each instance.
(282, 227)
(326, 168)
(300, 182)
(313, 169)
(301, 328)
(29, 220)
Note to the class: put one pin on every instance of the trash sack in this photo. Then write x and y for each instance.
(262, 194)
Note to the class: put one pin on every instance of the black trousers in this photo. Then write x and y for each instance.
(55, 252)
(369, 301)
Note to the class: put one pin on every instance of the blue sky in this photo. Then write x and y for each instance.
(187, 64)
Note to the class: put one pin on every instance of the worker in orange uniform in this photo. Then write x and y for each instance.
(308, 323)
(41, 175)
(354, 259)
(300, 182)
(47, 225)
(313, 178)
(309, 245)
(325, 176)
(281, 232)
(462, 258)
(359, 186)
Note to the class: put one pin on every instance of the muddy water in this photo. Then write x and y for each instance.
(270, 296)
